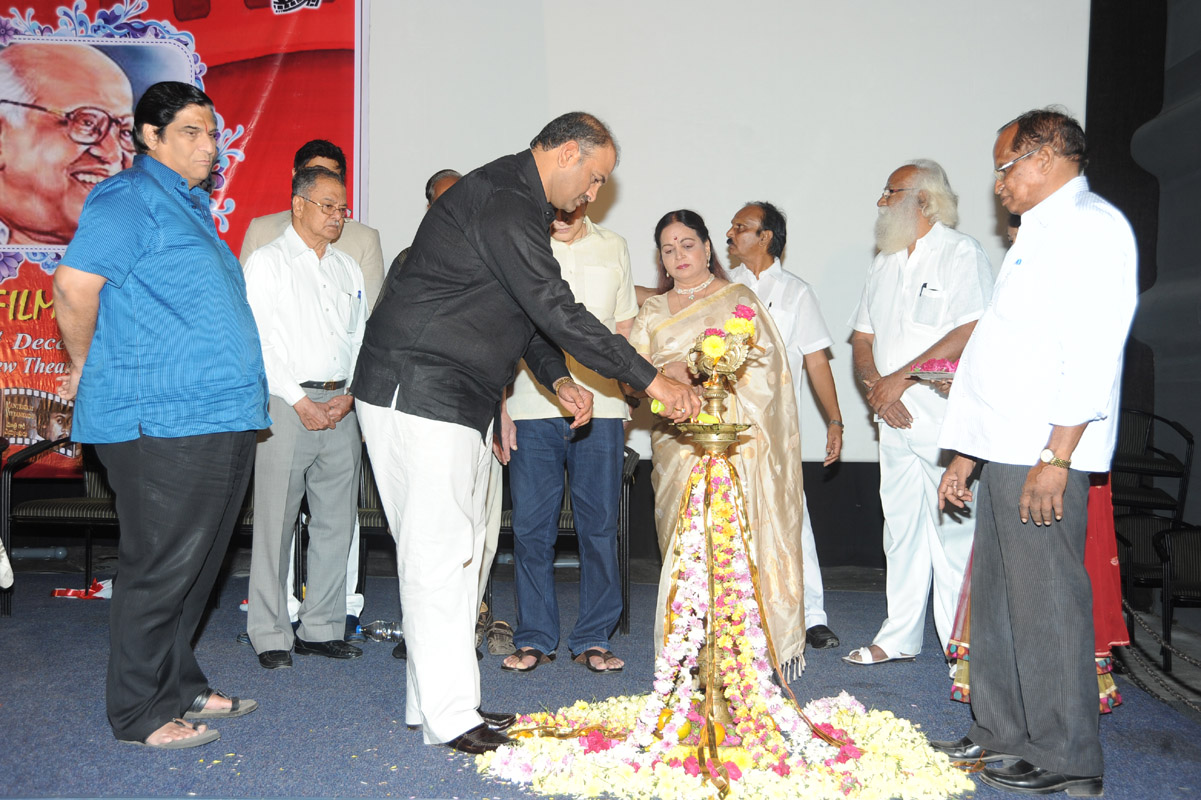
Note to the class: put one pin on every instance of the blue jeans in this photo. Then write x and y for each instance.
(593, 457)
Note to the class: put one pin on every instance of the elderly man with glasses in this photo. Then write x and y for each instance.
(66, 124)
(924, 292)
(1064, 302)
(309, 302)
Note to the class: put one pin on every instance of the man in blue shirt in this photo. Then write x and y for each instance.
(167, 375)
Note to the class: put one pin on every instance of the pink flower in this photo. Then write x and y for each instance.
(848, 752)
(744, 312)
(714, 332)
(692, 766)
(595, 742)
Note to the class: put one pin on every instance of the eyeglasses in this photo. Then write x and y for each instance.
(889, 192)
(327, 208)
(1000, 172)
(87, 125)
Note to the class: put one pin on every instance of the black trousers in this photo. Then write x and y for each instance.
(177, 503)
(1034, 680)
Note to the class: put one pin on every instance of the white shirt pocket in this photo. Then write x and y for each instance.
(930, 307)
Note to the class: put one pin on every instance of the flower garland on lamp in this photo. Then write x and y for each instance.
(731, 732)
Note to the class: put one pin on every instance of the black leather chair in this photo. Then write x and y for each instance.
(1180, 552)
(1151, 464)
(96, 508)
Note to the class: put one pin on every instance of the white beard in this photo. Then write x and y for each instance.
(896, 226)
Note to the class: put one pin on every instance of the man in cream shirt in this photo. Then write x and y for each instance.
(538, 445)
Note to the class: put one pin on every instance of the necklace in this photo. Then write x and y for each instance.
(692, 291)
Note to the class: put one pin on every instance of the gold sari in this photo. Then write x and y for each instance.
(767, 457)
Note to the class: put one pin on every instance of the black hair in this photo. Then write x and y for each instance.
(773, 220)
(693, 220)
(1050, 127)
(319, 148)
(575, 126)
(160, 103)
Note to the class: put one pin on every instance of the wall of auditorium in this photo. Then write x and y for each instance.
(807, 104)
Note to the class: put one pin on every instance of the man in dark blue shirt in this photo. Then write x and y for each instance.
(480, 290)
(167, 374)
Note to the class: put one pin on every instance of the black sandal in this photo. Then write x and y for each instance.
(540, 658)
(606, 656)
(238, 708)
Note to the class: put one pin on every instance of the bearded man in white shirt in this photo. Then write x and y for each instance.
(310, 305)
(756, 239)
(1036, 401)
(924, 292)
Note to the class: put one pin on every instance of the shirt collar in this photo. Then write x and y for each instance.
(294, 246)
(589, 229)
(936, 234)
(165, 176)
(773, 269)
(1061, 198)
(529, 172)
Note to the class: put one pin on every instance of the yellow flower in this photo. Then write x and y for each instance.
(714, 347)
(740, 327)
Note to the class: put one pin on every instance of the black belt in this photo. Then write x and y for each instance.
(327, 385)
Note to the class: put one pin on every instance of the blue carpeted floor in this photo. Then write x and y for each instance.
(335, 728)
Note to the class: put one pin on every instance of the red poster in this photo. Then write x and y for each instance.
(280, 72)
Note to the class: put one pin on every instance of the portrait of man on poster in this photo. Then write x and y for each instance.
(66, 124)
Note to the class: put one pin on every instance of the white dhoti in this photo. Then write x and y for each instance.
(433, 479)
(922, 545)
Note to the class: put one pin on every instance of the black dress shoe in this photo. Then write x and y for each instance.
(1040, 781)
(275, 659)
(967, 750)
(820, 637)
(335, 648)
(401, 650)
(1021, 767)
(497, 720)
(480, 739)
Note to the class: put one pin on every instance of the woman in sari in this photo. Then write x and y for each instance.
(1109, 629)
(695, 295)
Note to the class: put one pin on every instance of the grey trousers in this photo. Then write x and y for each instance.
(1034, 681)
(290, 462)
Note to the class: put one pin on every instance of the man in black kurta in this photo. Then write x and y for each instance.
(480, 290)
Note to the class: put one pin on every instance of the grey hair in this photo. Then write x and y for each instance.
(441, 174)
(306, 178)
(13, 87)
(942, 204)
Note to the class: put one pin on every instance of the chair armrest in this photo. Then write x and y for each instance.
(1127, 547)
(630, 464)
(22, 457)
(1180, 429)
(1163, 545)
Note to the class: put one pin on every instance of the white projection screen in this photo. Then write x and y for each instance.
(807, 104)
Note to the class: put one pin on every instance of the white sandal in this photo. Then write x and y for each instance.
(865, 657)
